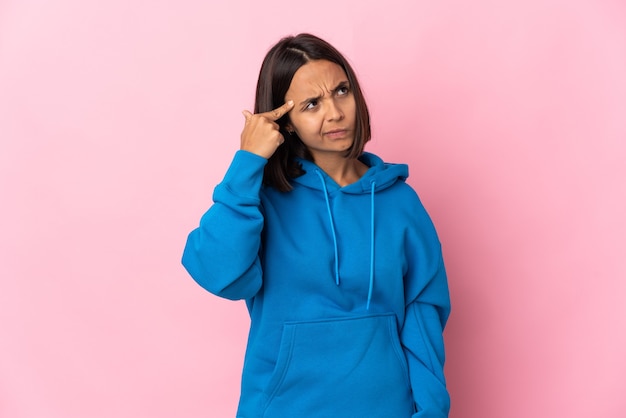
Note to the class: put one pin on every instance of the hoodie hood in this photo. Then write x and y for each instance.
(383, 174)
(379, 176)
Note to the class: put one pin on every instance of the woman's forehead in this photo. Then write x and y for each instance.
(319, 77)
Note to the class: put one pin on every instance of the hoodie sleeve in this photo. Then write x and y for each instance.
(222, 254)
(427, 310)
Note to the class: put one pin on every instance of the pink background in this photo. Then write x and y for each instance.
(118, 118)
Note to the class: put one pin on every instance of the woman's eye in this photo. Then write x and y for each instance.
(311, 104)
(343, 91)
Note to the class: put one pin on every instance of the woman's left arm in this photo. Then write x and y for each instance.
(422, 340)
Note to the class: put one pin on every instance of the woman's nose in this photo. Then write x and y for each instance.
(334, 111)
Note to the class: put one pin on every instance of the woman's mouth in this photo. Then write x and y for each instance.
(336, 133)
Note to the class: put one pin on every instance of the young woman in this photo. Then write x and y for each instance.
(338, 261)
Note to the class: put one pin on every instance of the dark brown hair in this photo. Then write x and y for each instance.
(278, 68)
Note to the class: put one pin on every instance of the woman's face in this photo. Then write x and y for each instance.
(324, 112)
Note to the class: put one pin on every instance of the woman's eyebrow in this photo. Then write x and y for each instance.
(310, 99)
(340, 85)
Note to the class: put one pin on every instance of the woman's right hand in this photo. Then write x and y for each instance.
(260, 133)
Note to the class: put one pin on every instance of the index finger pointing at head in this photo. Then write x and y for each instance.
(279, 112)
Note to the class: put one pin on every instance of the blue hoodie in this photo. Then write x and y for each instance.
(345, 286)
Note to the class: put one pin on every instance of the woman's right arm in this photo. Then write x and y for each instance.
(222, 254)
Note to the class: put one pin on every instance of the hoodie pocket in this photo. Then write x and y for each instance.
(347, 367)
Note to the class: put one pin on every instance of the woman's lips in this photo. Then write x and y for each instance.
(336, 133)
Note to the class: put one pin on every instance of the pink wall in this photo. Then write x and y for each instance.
(117, 119)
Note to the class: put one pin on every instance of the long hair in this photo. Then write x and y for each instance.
(278, 68)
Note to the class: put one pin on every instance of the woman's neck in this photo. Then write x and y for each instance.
(343, 171)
